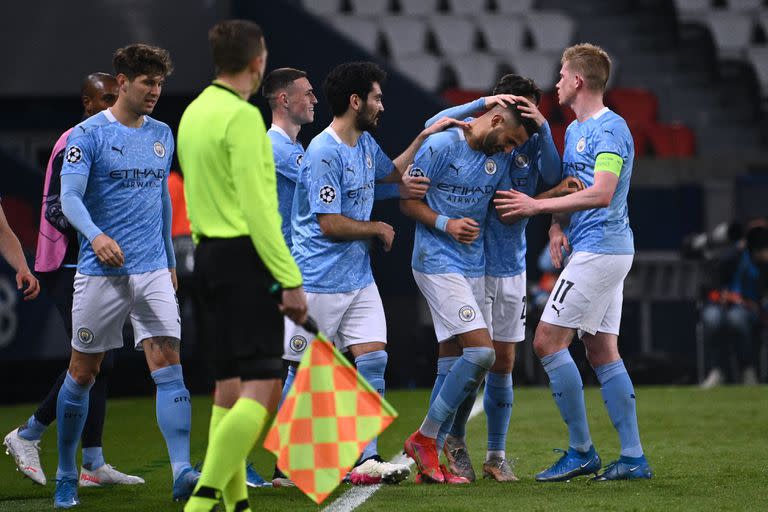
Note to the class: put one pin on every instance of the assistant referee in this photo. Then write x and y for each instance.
(230, 186)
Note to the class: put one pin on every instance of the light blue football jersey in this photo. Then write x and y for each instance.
(127, 170)
(600, 230)
(463, 182)
(335, 178)
(535, 162)
(288, 158)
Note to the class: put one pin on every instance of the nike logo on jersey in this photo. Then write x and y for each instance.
(557, 310)
(119, 150)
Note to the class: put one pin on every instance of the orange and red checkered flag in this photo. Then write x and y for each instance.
(329, 416)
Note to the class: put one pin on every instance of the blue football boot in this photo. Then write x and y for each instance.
(570, 465)
(253, 478)
(65, 495)
(626, 468)
(185, 484)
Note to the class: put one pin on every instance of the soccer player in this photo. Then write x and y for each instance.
(587, 299)
(533, 165)
(114, 191)
(232, 203)
(332, 232)
(56, 261)
(465, 166)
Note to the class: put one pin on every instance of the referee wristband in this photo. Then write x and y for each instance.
(441, 222)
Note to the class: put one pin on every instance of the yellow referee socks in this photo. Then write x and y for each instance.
(232, 440)
(233, 492)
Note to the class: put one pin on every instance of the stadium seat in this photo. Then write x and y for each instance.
(558, 135)
(456, 96)
(758, 56)
(691, 11)
(514, 6)
(23, 221)
(745, 5)
(551, 30)
(360, 31)
(637, 105)
(672, 140)
(322, 7)
(467, 7)
(455, 35)
(548, 104)
(404, 35)
(542, 67)
(370, 7)
(474, 71)
(426, 70)
(731, 32)
(418, 7)
(639, 131)
(503, 34)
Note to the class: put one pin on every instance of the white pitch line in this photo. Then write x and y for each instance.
(358, 495)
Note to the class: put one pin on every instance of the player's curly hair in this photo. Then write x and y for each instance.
(234, 44)
(589, 61)
(519, 86)
(142, 59)
(348, 79)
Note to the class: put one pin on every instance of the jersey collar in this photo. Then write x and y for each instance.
(277, 129)
(600, 112)
(222, 85)
(112, 119)
(333, 134)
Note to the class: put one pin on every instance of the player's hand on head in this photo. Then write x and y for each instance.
(557, 242)
(26, 281)
(528, 109)
(413, 187)
(499, 100)
(512, 203)
(464, 230)
(443, 124)
(108, 251)
(386, 234)
(294, 304)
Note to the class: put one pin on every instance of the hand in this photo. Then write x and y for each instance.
(107, 250)
(557, 241)
(569, 185)
(174, 279)
(443, 124)
(499, 100)
(294, 304)
(27, 281)
(463, 230)
(511, 203)
(386, 234)
(529, 110)
(413, 187)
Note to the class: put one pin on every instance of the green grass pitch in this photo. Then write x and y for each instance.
(708, 450)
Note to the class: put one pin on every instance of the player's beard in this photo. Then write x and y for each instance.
(367, 121)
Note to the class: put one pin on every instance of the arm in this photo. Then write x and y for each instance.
(10, 248)
(53, 212)
(340, 227)
(569, 185)
(170, 253)
(464, 230)
(550, 166)
(253, 172)
(458, 112)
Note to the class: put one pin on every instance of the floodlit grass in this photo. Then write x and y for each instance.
(708, 450)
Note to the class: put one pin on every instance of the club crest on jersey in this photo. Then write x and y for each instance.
(416, 172)
(522, 160)
(490, 167)
(74, 155)
(85, 335)
(298, 343)
(581, 145)
(327, 194)
(299, 158)
(159, 149)
(368, 161)
(467, 313)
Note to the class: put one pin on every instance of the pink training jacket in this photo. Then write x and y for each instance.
(51, 243)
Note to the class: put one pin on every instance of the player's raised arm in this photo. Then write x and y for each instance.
(467, 109)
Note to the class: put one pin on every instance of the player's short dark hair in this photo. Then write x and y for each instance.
(279, 79)
(142, 59)
(234, 43)
(527, 123)
(757, 239)
(519, 86)
(87, 87)
(348, 79)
